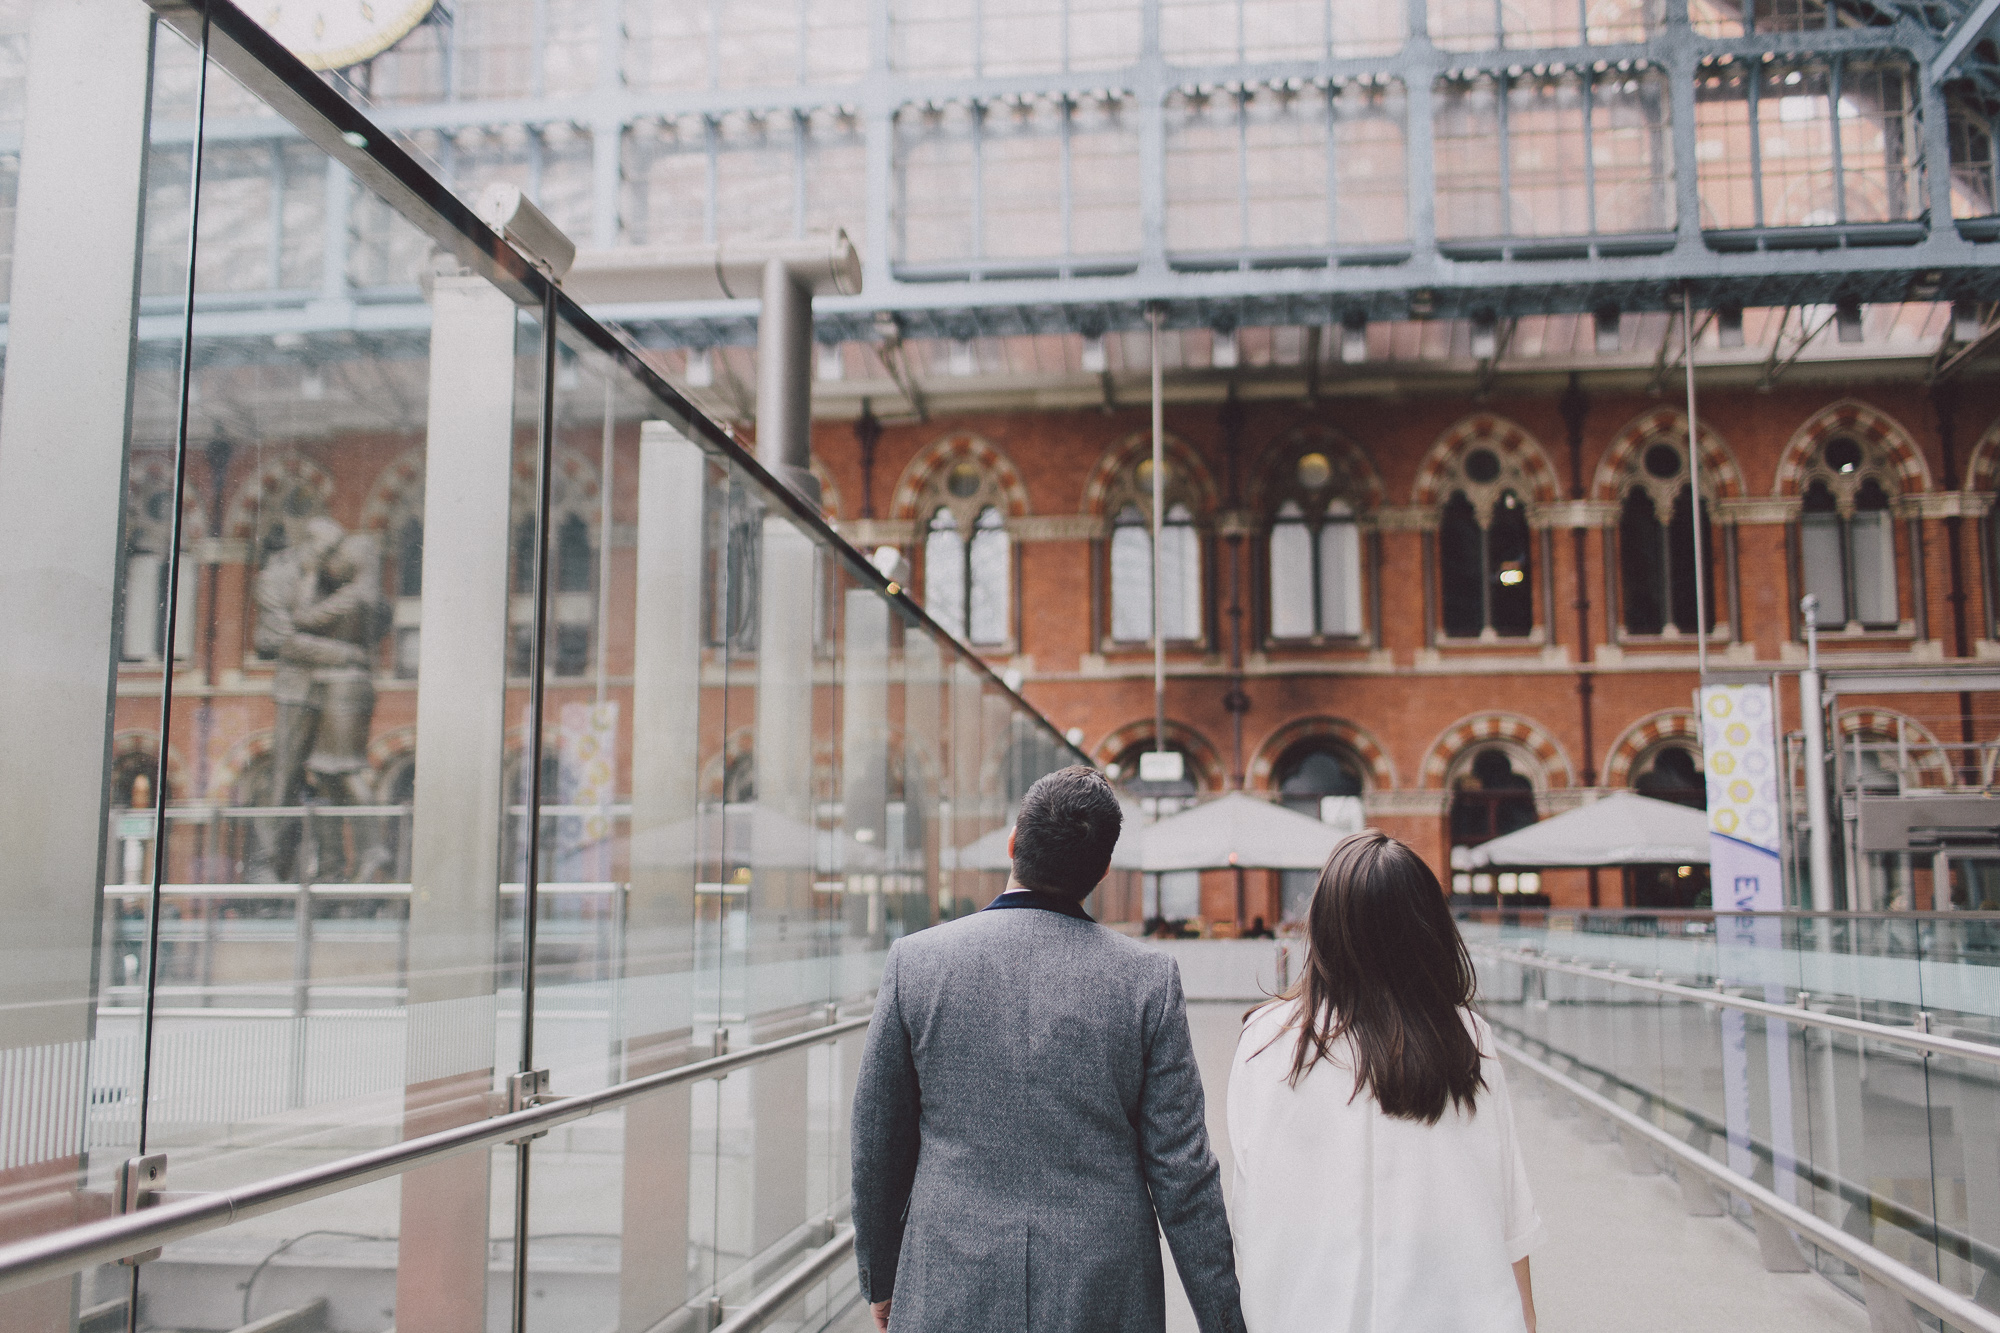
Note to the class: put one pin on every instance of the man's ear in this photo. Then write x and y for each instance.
(1010, 844)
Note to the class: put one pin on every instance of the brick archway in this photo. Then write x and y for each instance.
(137, 741)
(1381, 773)
(1718, 462)
(1521, 735)
(1208, 764)
(1927, 756)
(240, 757)
(1982, 470)
(397, 489)
(1877, 431)
(274, 479)
(1512, 442)
(1133, 449)
(940, 456)
(1643, 735)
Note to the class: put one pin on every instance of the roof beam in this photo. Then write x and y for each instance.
(1967, 31)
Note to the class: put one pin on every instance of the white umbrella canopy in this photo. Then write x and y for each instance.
(1624, 828)
(1240, 832)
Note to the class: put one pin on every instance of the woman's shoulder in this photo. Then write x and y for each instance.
(1262, 1024)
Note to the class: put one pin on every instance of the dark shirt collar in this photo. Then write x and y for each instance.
(1047, 902)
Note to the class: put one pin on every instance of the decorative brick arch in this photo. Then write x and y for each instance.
(829, 493)
(1982, 471)
(385, 752)
(146, 744)
(1724, 480)
(274, 479)
(1129, 453)
(1643, 735)
(1877, 432)
(1927, 756)
(574, 488)
(1207, 762)
(240, 757)
(398, 489)
(1381, 773)
(1354, 476)
(940, 456)
(1514, 445)
(1549, 762)
(154, 472)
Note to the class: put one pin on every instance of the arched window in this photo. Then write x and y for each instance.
(572, 603)
(1132, 576)
(1489, 799)
(1672, 773)
(967, 584)
(1305, 776)
(149, 522)
(1315, 552)
(1656, 545)
(1847, 540)
(1485, 563)
(968, 574)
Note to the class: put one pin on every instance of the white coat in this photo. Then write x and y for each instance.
(1348, 1221)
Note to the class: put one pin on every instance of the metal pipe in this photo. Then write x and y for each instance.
(1812, 719)
(71, 1249)
(769, 1303)
(1694, 490)
(1159, 513)
(784, 379)
(1955, 1310)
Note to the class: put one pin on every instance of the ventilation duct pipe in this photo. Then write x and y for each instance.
(785, 276)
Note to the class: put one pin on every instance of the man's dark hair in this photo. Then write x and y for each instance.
(1064, 834)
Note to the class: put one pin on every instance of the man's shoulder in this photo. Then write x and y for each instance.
(984, 931)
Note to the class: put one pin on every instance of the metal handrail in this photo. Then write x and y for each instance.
(57, 1253)
(1790, 1013)
(1906, 1282)
(769, 1303)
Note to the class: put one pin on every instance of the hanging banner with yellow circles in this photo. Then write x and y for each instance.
(1739, 755)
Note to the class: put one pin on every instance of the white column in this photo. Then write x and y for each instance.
(666, 760)
(62, 467)
(455, 839)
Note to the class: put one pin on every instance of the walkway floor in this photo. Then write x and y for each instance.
(1621, 1252)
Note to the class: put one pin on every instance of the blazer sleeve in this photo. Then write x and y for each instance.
(1181, 1172)
(886, 1114)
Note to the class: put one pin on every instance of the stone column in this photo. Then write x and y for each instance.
(455, 838)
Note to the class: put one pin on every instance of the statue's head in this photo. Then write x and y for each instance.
(322, 534)
(354, 553)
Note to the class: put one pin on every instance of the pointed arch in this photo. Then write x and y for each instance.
(397, 490)
(275, 478)
(1879, 434)
(139, 742)
(1643, 735)
(1622, 457)
(1546, 761)
(926, 473)
(1351, 736)
(1982, 470)
(223, 778)
(1185, 466)
(1519, 452)
(1929, 763)
(151, 473)
(1208, 773)
(1353, 475)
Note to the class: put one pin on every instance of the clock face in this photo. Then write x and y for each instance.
(333, 34)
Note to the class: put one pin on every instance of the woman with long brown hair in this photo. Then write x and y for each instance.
(1378, 1185)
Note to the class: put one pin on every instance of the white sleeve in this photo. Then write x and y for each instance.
(1524, 1224)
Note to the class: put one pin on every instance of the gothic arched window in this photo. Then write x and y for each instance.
(1656, 545)
(1485, 561)
(1305, 776)
(967, 583)
(968, 573)
(1847, 539)
(1315, 553)
(1489, 799)
(1132, 575)
(149, 520)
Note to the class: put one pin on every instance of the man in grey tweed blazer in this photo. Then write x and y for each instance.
(1029, 1105)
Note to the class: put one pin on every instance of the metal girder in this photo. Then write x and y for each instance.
(1959, 40)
